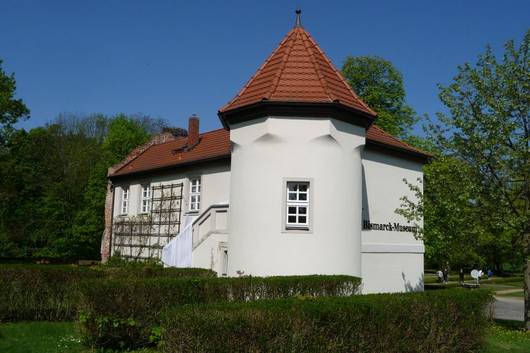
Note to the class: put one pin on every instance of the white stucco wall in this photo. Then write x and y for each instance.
(392, 260)
(215, 187)
(349, 184)
(210, 237)
(267, 152)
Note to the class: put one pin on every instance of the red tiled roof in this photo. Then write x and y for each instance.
(216, 144)
(298, 71)
(378, 136)
(212, 145)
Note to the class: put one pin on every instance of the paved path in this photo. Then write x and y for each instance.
(506, 308)
(508, 291)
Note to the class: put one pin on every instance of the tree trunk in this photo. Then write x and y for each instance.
(527, 293)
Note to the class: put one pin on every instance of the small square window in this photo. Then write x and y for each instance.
(297, 205)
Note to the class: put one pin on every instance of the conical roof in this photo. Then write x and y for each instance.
(298, 71)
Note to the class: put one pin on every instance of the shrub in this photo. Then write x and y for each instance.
(443, 321)
(149, 271)
(32, 292)
(126, 313)
(50, 292)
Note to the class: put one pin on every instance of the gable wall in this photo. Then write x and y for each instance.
(392, 260)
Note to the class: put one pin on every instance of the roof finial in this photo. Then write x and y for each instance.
(298, 22)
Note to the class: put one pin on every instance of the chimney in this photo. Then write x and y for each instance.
(193, 131)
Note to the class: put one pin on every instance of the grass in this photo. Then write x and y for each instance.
(518, 294)
(507, 337)
(61, 337)
(44, 337)
(499, 287)
(494, 284)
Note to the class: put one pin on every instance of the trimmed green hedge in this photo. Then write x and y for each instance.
(50, 292)
(31, 292)
(443, 321)
(127, 313)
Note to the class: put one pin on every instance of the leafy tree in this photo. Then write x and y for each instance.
(123, 135)
(53, 183)
(380, 85)
(457, 229)
(11, 108)
(44, 172)
(488, 129)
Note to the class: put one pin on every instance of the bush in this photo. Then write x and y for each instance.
(442, 321)
(126, 313)
(32, 292)
(50, 292)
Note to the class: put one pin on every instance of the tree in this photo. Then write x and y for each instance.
(456, 227)
(53, 183)
(11, 109)
(123, 135)
(487, 128)
(380, 85)
(42, 180)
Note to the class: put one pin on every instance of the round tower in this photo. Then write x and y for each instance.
(297, 130)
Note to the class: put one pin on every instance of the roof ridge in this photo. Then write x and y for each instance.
(257, 72)
(339, 75)
(316, 66)
(185, 137)
(396, 139)
(147, 146)
(279, 72)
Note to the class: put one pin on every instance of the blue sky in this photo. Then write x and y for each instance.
(170, 59)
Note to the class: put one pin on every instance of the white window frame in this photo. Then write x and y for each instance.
(296, 201)
(145, 199)
(195, 194)
(125, 199)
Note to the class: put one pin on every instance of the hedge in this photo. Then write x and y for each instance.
(50, 292)
(443, 321)
(127, 313)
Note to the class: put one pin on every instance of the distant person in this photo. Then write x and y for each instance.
(490, 274)
(440, 276)
(461, 276)
(445, 273)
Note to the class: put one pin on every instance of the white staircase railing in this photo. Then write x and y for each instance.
(214, 220)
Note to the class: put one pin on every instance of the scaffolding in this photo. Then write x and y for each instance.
(143, 236)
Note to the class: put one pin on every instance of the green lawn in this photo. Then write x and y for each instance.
(43, 337)
(61, 337)
(507, 337)
(518, 294)
(499, 287)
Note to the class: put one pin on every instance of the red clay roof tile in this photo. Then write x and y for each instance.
(379, 136)
(298, 71)
(216, 144)
(212, 145)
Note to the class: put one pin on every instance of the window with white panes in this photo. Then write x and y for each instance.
(195, 194)
(125, 201)
(146, 198)
(297, 205)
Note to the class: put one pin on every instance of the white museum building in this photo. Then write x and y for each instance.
(299, 180)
